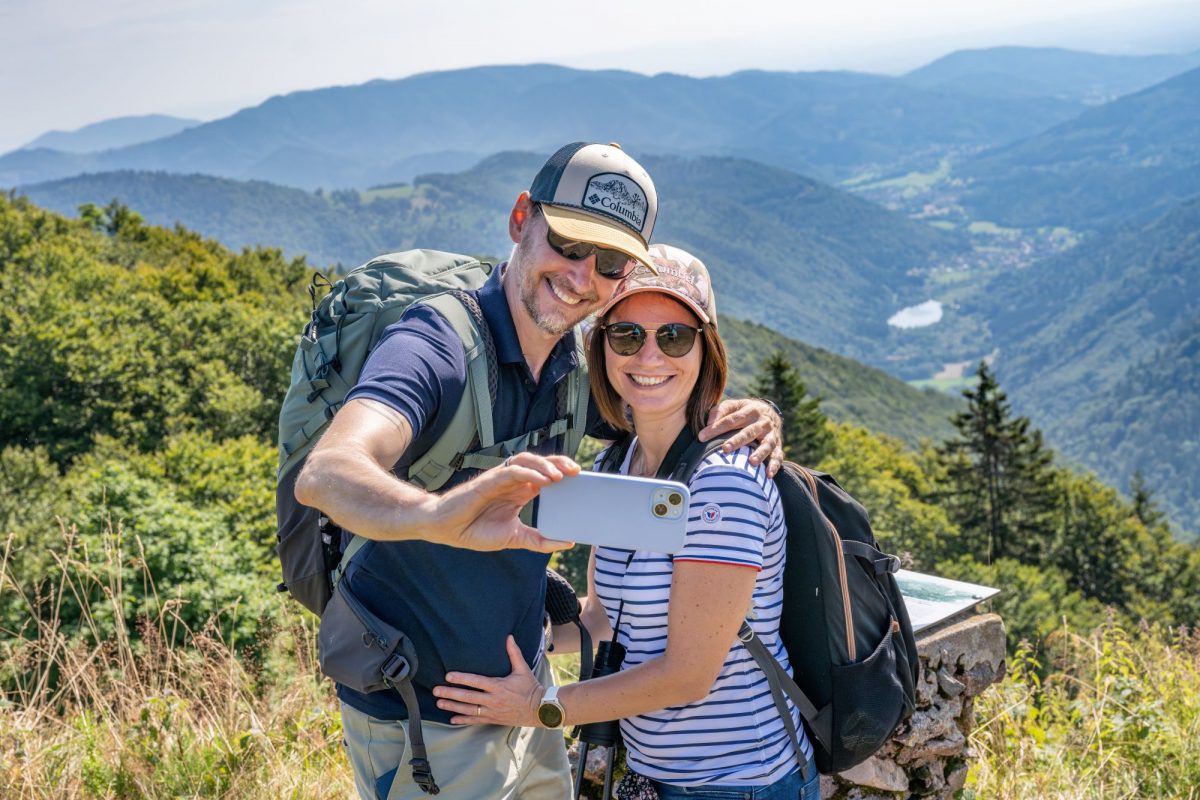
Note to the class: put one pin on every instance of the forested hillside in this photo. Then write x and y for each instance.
(850, 391)
(1099, 345)
(142, 369)
(1134, 157)
(834, 266)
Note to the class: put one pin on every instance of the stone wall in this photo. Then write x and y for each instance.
(929, 755)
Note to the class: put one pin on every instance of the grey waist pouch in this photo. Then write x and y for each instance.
(359, 650)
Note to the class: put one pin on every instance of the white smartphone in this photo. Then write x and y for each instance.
(615, 511)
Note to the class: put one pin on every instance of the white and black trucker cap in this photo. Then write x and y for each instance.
(596, 193)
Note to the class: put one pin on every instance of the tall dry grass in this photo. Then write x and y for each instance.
(159, 710)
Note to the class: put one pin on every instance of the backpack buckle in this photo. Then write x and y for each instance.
(396, 669)
(423, 775)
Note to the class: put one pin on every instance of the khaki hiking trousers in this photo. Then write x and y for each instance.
(487, 762)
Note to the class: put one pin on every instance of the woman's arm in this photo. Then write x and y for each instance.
(708, 603)
(592, 614)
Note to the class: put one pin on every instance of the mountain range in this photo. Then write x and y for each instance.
(830, 125)
(1052, 72)
(1135, 156)
(111, 133)
(810, 260)
(1101, 347)
(1097, 344)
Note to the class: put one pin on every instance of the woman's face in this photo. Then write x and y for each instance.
(653, 384)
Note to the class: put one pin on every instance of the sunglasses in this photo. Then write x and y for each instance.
(611, 264)
(674, 339)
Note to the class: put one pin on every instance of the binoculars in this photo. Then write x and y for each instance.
(609, 657)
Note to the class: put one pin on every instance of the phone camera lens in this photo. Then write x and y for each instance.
(676, 499)
(660, 510)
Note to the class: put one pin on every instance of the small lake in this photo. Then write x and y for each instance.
(918, 316)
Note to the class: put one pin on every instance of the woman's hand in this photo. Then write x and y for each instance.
(756, 423)
(511, 701)
(485, 511)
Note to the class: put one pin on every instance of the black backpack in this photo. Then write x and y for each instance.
(844, 624)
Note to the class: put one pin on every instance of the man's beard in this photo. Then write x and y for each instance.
(554, 324)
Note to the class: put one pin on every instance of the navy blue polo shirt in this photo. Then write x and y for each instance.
(456, 605)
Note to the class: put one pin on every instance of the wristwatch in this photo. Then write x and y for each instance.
(550, 713)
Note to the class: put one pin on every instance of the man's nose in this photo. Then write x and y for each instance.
(582, 274)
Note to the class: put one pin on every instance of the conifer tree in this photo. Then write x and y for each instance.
(806, 437)
(999, 479)
(1145, 507)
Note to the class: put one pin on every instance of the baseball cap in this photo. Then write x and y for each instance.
(596, 193)
(679, 274)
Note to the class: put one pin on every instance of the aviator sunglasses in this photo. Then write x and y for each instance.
(611, 264)
(674, 339)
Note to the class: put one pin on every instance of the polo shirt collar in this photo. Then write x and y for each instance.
(498, 316)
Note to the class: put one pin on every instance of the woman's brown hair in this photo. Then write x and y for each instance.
(709, 388)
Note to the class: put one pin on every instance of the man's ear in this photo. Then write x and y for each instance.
(519, 217)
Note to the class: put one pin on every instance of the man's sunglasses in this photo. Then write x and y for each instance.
(674, 339)
(611, 264)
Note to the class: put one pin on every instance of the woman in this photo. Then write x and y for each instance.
(696, 712)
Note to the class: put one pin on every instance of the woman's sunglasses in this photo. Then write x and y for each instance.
(674, 339)
(611, 264)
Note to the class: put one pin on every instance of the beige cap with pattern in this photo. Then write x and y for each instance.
(679, 274)
(596, 193)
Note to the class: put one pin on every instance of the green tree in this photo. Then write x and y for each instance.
(1034, 602)
(1145, 507)
(999, 483)
(806, 436)
(892, 485)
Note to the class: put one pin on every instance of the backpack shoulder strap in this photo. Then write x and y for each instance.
(473, 417)
(578, 393)
(470, 440)
(614, 456)
(782, 684)
(687, 459)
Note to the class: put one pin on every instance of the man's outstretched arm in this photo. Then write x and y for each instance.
(348, 476)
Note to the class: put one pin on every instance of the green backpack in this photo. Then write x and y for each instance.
(344, 328)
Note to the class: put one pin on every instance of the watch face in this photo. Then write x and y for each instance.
(550, 715)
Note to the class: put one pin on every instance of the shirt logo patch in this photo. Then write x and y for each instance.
(711, 513)
(618, 196)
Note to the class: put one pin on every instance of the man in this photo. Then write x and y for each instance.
(458, 571)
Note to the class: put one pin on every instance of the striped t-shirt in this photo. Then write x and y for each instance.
(734, 735)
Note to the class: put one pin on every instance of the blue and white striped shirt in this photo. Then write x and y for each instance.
(734, 735)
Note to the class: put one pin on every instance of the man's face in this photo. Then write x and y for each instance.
(556, 292)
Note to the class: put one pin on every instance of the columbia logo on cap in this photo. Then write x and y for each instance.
(619, 196)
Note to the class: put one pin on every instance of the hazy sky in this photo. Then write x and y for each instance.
(66, 63)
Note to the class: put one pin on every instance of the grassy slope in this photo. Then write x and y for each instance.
(851, 392)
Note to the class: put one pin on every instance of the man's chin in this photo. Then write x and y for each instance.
(556, 323)
(555, 326)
